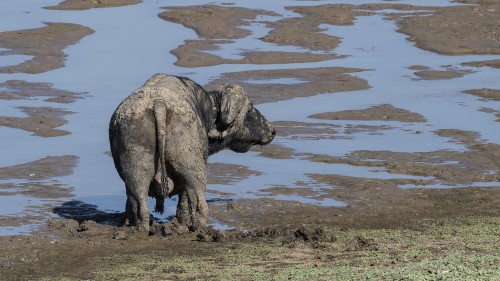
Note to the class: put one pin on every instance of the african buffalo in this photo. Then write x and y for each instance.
(162, 134)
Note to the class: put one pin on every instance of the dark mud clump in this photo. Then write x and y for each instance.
(360, 243)
(110, 227)
(281, 235)
(45, 44)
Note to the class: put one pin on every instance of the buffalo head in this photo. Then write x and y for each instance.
(241, 125)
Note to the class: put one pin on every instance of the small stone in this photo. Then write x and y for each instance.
(120, 235)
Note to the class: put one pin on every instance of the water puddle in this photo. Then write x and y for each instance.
(13, 59)
(120, 56)
(288, 173)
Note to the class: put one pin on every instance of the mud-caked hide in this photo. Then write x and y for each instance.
(162, 134)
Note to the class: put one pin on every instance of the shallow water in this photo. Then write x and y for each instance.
(120, 56)
(13, 59)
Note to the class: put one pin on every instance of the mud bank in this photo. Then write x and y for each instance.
(44, 44)
(217, 26)
(431, 248)
(466, 29)
(29, 191)
(262, 87)
(437, 29)
(305, 31)
(42, 121)
(89, 4)
(379, 112)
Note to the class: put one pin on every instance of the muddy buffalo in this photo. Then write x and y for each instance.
(162, 134)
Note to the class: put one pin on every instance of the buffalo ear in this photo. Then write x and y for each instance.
(232, 102)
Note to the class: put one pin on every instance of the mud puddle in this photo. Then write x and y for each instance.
(119, 56)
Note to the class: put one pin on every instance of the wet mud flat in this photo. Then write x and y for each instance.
(355, 162)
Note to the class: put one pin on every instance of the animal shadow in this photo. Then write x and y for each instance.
(80, 211)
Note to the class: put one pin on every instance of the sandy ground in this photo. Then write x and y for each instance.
(62, 248)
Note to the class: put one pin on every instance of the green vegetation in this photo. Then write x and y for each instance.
(466, 249)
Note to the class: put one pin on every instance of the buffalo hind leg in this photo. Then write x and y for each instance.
(137, 202)
(138, 172)
(182, 213)
(192, 208)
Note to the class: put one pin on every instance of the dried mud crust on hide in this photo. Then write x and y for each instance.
(89, 4)
(45, 44)
(162, 134)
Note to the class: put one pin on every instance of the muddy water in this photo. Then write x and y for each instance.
(131, 43)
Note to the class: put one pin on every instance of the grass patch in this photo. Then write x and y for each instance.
(466, 249)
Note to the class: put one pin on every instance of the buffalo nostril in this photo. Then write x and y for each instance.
(273, 132)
